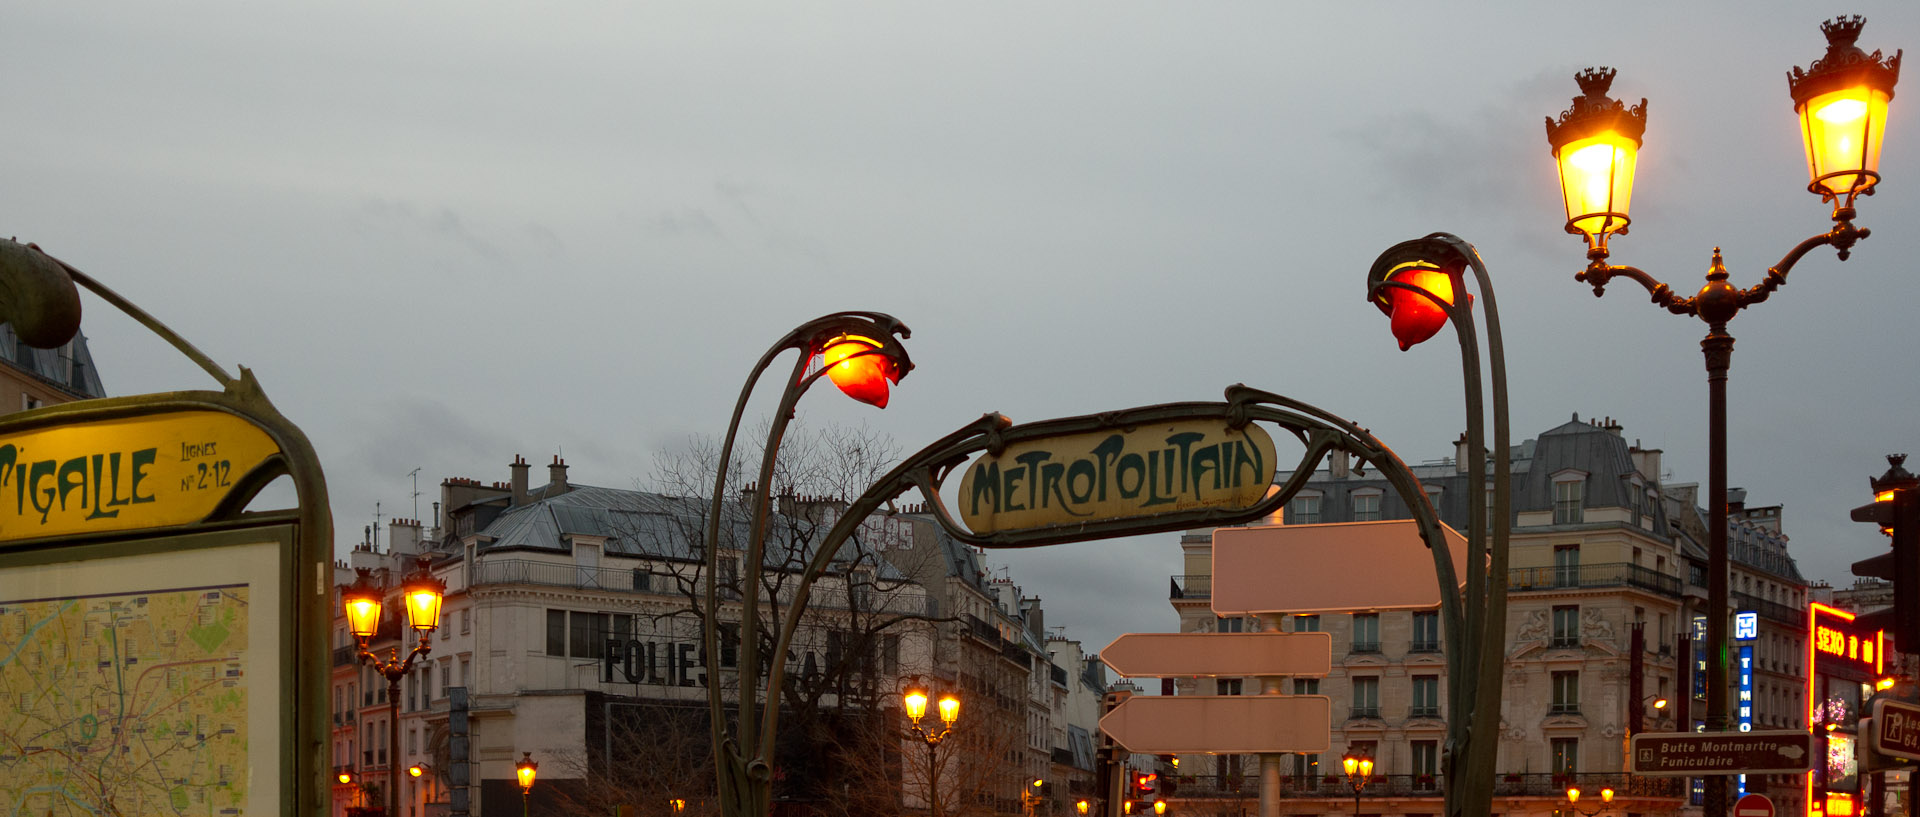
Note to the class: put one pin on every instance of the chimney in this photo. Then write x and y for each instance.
(1460, 454)
(520, 467)
(1338, 463)
(1646, 461)
(1736, 501)
(403, 536)
(557, 477)
(1610, 424)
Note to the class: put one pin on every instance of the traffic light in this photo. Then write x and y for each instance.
(1896, 510)
(1143, 784)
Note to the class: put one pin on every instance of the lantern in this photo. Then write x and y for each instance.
(859, 368)
(525, 770)
(423, 593)
(915, 700)
(362, 602)
(1842, 101)
(1415, 316)
(949, 708)
(1595, 144)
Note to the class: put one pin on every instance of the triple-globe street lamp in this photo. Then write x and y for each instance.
(914, 698)
(421, 594)
(1842, 101)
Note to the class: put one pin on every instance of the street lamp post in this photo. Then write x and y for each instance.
(915, 698)
(526, 770)
(1573, 800)
(414, 772)
(1359, 769)
(421, 595)
(861, 353)
(1420, 285)
(1842, 102)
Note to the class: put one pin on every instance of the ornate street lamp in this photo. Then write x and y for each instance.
(421, 595)
(1573, 799)
(1359, 770)
(1842, 103)
(860, 353)
(1421, 286)
(914, 699)
(525, 770)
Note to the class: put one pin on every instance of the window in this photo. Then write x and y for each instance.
(1366, 697)
(1227, 686)
(1305, 769)
(1306, 686)
(1566, 755)
(1235, 624)
(1426, 631)
(1304, 510)
(1366, 632)
(557, 632)
(1566, 693)
(1566, 565)
(1426, 697)
(1366, 507)
(1426, 764)
(466, 621)
(463, 670)
(1306, 624)
(1568, 495)
(1566, 625)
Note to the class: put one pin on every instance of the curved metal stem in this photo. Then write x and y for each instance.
(148, 321)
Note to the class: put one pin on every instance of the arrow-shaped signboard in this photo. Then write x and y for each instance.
(1342, 566)
(1690, 754)
(1226, 724)
(1236, 655)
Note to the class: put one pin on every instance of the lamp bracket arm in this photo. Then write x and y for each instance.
(1599, 273)
(1842, 237)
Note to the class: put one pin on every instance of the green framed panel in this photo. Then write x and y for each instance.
(168, 667)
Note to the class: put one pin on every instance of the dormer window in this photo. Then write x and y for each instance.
(1569, 497)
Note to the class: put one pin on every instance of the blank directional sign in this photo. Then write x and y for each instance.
(1182, 724)
(1225, 654)
(1322, 568)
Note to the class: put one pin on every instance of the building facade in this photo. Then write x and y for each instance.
(1604, 587)
(571, 630)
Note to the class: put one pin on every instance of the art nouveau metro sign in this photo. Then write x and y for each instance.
(1116, 473)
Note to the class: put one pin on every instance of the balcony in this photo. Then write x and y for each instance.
(1423, 712)
(1363, 712)
(1547, 786)
(1563, 709)
(1615, 574)
(342, 656)
(1192, 587)
(1424, 646)
(1772, 611)
(1360, 647)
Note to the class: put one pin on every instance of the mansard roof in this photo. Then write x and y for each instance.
(68, 367)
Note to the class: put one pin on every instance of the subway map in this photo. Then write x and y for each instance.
(130, 703)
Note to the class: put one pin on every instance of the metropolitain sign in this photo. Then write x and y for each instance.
(1118, 473)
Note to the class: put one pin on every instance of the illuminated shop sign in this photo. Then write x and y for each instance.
(1836, 640)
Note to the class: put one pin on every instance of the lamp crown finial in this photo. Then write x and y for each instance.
(1596, 81)
(1842, 31)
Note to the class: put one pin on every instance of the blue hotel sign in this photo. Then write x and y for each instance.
(1746, 625)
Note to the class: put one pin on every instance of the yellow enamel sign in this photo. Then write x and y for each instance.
(142, 472)
(1115, 473)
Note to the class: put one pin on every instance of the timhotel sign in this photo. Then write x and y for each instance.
(1118, 473)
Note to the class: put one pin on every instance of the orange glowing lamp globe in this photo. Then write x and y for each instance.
(1415, 316)
(855, 365)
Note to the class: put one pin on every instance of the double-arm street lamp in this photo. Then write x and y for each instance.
(914, 698)
(1359, 768)
(1842, 101)
(1573, 800)
(421, 595)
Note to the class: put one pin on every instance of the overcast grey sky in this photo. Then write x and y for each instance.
(443, 233)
